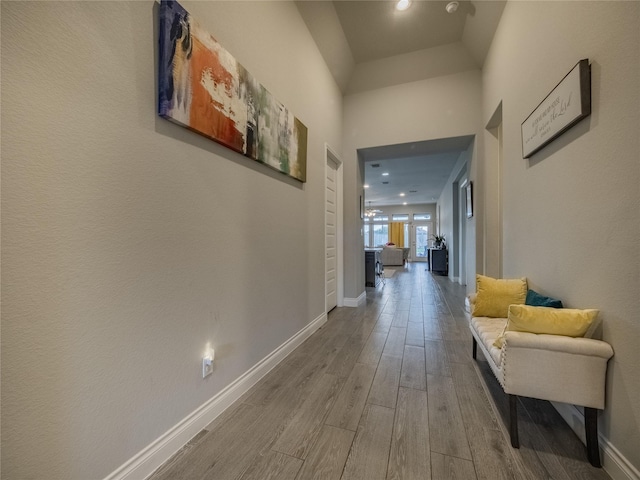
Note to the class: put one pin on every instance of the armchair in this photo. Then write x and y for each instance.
(392, 256)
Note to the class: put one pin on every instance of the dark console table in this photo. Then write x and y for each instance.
(439, 260)
(372, 267)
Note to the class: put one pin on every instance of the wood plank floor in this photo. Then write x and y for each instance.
(386, 391)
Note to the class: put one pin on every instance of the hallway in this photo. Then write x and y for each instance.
(385, 391)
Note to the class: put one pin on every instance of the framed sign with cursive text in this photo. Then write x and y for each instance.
(567, 104)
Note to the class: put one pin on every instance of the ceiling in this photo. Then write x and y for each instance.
(418, 170)
(369, 45)
(375, 29)
(358, 39)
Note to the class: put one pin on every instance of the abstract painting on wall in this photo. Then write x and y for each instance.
(203, 88)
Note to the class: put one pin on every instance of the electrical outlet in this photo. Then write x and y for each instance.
(207, 361)
(207, 366)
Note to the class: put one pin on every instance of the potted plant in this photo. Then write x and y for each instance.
(438, 240)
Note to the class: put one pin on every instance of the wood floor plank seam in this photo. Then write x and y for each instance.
(344, 405)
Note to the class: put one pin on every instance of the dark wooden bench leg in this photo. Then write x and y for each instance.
(475, 347)
(591, 432)
(513, 420)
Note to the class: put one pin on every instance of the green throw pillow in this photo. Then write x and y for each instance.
(536, 300)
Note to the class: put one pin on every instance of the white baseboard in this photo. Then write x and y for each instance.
(356, 302)
(154, 455)
(613, 462)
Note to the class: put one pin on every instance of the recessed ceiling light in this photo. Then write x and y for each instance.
(366, 185)
(402, 4)
(385, 174)
(402, 194)
(404, 203)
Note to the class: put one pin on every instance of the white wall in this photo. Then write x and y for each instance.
(571, 222)
(410, 67)
(442, 107)
(128, 242)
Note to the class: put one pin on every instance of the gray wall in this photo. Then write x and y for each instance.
(570, 213)
(450, 222)
(128, 242)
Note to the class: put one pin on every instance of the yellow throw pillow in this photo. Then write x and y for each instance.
(569, 322)
(495, 295)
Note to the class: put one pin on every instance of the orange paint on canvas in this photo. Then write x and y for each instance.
(206, 116)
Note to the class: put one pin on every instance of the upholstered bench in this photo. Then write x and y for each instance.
(540, 352)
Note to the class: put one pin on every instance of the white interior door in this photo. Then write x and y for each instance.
(420, 234)
(330, 236)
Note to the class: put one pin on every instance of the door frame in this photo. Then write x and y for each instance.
(331, 155)
(462, 230)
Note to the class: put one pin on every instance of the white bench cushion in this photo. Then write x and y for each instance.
(488, 329)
